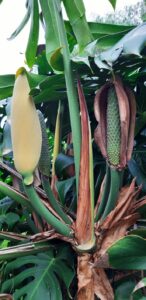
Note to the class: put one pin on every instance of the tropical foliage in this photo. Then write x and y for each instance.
(72, 223)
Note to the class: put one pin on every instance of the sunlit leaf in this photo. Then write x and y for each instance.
(31, 49)
(76, 14)
(132, 43)
(22, 24)
(113, 3)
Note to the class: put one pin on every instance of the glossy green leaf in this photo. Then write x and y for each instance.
(125, 289)
(53, 201)
(108, 29)
(63, 187)
(7, 80)
(140, 231)
(141, 284)
(52, 35)
(6, 85)
(132, 43)
(42, 63)
(31, 49)
(35, 79)
(43, 271)
(113, 3)
(6, 92)
(62, 163)
(27, 248)
(22, 24)
(11, 219)
(53, 80)
(48, 95)
(128, 253)
(76, 14)
(5, 204)
(140, 122)
(56, 38)
(56, 61)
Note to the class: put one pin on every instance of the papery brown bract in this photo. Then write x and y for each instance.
(127, 115)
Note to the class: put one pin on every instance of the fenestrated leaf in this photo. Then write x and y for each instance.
(42, 271)
(31, 49)
(128, 253)
(22, 24)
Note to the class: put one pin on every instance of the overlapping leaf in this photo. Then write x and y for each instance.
(40, 276)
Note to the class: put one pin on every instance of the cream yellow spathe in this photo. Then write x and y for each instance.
(25, 129)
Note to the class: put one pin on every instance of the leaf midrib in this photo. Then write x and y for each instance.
(41, 278)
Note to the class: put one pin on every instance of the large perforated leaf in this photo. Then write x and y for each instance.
(36, 277)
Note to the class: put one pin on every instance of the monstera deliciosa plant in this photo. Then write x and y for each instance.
(73, 162)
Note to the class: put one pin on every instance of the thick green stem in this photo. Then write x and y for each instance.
(105, 194)
(54, 203)
(115, 185)
(44, 213)
(56, 38)
(71, 93)
(15, 195)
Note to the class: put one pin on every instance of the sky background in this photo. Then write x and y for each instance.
(12, 12)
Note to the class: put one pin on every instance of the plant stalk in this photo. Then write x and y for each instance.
(54, 203)
(44, 213)
(115, 184)
(71, 93)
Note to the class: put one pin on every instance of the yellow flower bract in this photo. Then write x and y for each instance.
(25, 129)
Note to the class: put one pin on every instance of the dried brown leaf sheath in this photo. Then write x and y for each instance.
(84, 221)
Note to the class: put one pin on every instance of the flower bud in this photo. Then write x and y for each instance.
(25, 129)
